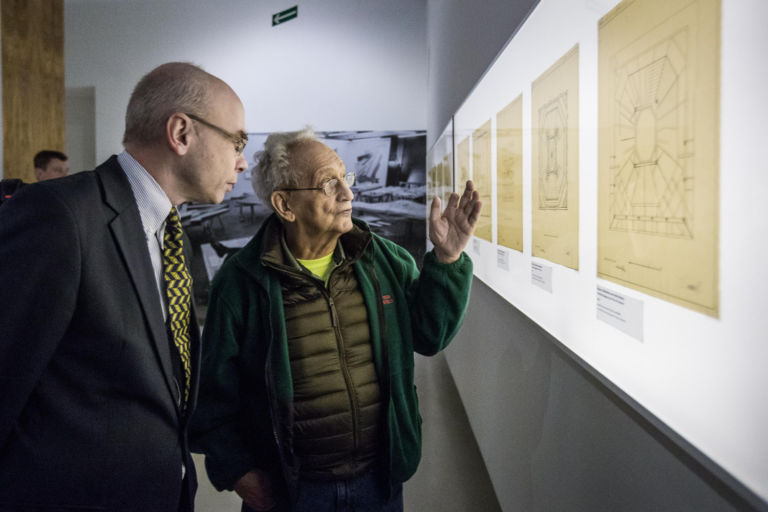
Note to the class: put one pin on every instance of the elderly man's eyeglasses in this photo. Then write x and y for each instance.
(238, 139)
(330, 187)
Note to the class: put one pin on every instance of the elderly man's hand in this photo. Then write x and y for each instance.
(450, 232)
(255, 488)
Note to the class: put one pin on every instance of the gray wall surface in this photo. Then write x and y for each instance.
(556, 438)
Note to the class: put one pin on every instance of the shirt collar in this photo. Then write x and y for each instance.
(154, 205)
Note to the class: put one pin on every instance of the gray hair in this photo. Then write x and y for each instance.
(170, 88)
(273, 170)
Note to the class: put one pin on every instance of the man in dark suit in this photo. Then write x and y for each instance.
(99, 353)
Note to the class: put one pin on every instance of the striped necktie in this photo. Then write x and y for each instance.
(178, 290)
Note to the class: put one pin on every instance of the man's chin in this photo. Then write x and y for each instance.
(347, 226)
(219, 197)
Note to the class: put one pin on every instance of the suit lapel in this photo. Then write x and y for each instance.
(129, 237)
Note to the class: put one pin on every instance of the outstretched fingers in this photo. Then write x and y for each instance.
(470, 203)
(469, 188)
(474, 212)
(434, 210)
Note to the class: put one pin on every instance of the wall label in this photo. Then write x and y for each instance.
(623, 313)
(541, 276)
(502, 259)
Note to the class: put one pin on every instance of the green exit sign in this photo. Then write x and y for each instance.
(285, 15)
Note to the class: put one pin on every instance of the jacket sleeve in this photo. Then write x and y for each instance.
(219, 428)
(439, 302)
(437, 297)
(39, 276)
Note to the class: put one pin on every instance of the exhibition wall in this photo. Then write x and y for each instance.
(556, 436)
(688, 370)
(464, 37)
(338, 65)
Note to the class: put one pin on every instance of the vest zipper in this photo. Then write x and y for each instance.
(353, 406)
(334, 316)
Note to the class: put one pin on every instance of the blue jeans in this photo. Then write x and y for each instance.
(360, 494)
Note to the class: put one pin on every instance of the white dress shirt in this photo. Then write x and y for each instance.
(154, 207)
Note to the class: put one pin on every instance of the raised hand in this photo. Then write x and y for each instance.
(451, 231)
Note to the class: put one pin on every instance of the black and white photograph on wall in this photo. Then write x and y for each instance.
(390, 196)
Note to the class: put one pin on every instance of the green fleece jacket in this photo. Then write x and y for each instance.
(243, 418)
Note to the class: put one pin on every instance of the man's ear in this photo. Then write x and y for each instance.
(178, 131)
(39, 173)
(279, 200)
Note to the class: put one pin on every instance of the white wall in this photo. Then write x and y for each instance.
(702, 377)
(341, 65)
(79, 106)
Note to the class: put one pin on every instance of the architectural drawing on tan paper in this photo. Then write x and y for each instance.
(553, 153)
(447, 178)
(481, 176)
(658, 108)
(652, 143)
(555, 161)
(509, 174)
(462, 162)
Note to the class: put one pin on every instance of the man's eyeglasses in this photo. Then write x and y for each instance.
(330, 187)
(238, 139)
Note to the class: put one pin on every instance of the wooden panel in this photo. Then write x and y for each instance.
(33, 82)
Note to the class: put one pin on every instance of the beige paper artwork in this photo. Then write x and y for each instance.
(431, 180)
(447, 178)
(555, 162)
(659, 76)
(481, 173)
(462, 163)
(509, 174)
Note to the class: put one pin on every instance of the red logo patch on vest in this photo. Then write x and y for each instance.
(387, 299)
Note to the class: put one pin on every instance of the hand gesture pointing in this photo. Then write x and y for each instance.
(450, 232)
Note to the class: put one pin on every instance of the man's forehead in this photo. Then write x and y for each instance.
(315, 157)
(225, 102)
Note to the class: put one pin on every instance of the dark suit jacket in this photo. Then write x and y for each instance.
(89, 415)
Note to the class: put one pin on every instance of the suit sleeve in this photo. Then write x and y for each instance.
(39, 276)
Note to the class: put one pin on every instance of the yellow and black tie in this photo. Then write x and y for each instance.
(178, 289)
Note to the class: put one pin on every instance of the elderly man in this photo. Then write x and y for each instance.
(307, 399)
(99, 353)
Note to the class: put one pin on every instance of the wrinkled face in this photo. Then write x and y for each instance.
(214, 161)
(56, 168)
(318, 215)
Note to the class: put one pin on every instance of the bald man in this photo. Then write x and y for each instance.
(99, 360)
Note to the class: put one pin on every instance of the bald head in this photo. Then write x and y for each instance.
(168, 89)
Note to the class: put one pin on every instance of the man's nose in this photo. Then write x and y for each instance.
(241, 164)
(346, 191)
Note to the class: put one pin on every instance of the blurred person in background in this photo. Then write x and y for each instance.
(50, 164)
